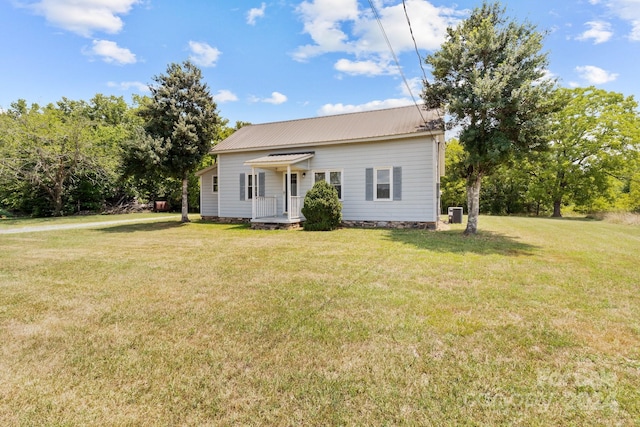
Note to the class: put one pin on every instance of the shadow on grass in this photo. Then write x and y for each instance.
(142, 226)
(228, 226)
(453, 241)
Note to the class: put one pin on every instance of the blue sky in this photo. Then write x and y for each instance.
(285, 59)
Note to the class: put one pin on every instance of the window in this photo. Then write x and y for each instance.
(382, 183)
(251, 186)
(335, 179)
(214, 183)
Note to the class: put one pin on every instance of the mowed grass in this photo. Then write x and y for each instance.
(532, 322)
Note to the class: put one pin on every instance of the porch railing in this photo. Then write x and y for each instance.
(296, 206)
(266, 207)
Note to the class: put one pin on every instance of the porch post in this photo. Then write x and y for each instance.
(289, 192)
(253, 193)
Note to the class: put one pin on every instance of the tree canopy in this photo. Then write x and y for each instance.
(60, 155)
(594, 137)
(489, 74)
(181, 122)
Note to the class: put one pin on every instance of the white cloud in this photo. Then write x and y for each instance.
(138, 86)
(331, 109)
(599, 31)
(84, 17)
(110, 52)
(628, 10)
(367, 68)
(341, 26)
(255, 13)
(275, 99)
(323, 20)
(428, 22)
(635, 31)
(203, 55)
(595, 75)
(224, 95)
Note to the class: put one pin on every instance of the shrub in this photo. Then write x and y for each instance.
(322, 208)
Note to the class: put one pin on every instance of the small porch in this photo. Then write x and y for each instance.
(280, 210)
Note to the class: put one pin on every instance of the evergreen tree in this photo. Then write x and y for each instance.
(182, 120)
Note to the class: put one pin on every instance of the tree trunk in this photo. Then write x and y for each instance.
(185, 197)
(473, 203)
(557, 204)
(57, 204)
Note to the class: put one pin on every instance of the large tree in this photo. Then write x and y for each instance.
(62, 157)
(594, 137)
(182, 120)
(489, 74)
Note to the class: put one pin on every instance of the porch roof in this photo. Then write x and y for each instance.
(278, 160)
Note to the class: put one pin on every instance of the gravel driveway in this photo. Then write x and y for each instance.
(99, 224)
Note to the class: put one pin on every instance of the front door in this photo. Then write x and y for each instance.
(294, 188)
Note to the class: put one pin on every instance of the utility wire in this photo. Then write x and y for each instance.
(415, 45)
(384, 33)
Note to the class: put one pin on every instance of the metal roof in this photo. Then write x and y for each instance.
(278, 160)
(353, 127)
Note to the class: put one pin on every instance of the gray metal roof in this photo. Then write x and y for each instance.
(275, 160)
(393, 122)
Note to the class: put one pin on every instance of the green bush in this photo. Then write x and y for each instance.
(322, 208)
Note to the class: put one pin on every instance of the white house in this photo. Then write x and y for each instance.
(386, 166)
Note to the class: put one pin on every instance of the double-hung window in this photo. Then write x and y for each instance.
(382, 183)
(214, 183)
(252, 186)
(334, 178)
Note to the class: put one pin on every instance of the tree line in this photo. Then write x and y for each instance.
(532, 146)
(72, 156)
(591, 162)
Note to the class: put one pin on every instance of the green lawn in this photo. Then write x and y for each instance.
(533, 322)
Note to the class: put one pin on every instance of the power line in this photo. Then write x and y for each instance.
(415, 44)
(384, 33)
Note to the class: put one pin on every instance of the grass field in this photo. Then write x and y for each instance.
(532, 322)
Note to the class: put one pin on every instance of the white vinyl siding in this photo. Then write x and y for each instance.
(413, 160)
(208, 199)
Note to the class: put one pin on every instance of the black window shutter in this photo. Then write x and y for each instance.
(241, 186)
(261, 179)
(369, 184)
(397, 183)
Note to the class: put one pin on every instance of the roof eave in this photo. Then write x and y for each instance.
(207, 169)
